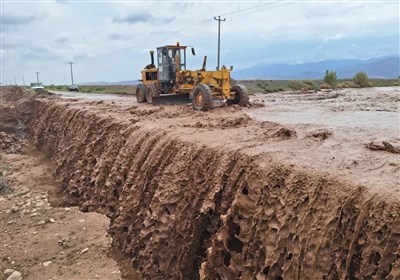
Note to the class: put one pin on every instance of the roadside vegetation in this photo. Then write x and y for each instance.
(330, 78)
(359, 80)
(263, 86)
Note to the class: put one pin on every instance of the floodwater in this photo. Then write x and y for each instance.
(371, 113)
(123, 98)
(295, 109)
(361, 119)
(95, 96)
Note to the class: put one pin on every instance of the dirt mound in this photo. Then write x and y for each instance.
(17, 108)
(276, 131)
(385, 146)
(9, 143)
(16, 93)
(5, 187)
(181, 209)
(220, 123)
(321, 134)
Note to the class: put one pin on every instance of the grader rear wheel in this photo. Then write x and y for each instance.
(241, 96)
(202, 97)
(141, 93)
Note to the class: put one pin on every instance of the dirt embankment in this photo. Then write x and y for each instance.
(37, 239)
(184, 209)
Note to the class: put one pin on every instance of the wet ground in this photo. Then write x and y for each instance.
(336, 109)
(289, 187)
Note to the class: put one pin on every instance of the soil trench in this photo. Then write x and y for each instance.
(185, 205)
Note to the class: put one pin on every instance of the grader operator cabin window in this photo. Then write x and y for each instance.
(166, 58)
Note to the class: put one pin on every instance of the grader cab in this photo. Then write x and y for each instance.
(172, 77)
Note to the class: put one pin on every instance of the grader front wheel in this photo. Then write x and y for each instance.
(202, 97)
(241, 96)
(152, 90)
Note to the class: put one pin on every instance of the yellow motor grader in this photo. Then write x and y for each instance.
(172, 77)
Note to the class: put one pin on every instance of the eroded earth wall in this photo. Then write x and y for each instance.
(180, 209)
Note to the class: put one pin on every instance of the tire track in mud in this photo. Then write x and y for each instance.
(182, 210)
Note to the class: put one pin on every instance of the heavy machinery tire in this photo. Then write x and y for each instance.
(241, 96)
(202, 97)
(141, 93)
(152, 90)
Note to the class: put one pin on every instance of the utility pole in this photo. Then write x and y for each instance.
(219, 37)
(23, 80)
(15, 81)
(37, 76)
(72, 75)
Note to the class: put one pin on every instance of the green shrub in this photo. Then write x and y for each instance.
(361, 79)
(330, 78)
(324, 86)
(311, 85)
(296, 85)
(260, 85)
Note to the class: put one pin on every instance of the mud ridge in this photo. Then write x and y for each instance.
(182, 210)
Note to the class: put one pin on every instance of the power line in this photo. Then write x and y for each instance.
(184, 29)
(147, 42)
(251, 8)
(263, 9)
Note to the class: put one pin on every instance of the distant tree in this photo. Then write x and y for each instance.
(361, 79)
(330, 78)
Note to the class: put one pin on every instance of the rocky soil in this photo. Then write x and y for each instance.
(224, 194)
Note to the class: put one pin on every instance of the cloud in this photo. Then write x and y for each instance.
(62, 2)
(9, 45)
(40, 52)
(9, 19)
(337, 36)
(137, 17)
(61, 38)
(120, 36)
(81, 56)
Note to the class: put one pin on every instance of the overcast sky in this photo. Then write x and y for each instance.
(110, 40)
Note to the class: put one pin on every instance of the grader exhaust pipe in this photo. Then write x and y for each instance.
(204, 63)
(152, 57)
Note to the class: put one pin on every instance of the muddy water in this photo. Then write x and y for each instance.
(95, 96)
(122, 98)
(183, 208)
(361, 119)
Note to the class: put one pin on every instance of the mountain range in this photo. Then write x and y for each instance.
(381, 67)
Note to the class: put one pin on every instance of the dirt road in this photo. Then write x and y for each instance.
(288, 188)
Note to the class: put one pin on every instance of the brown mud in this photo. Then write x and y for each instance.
(220, 195)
